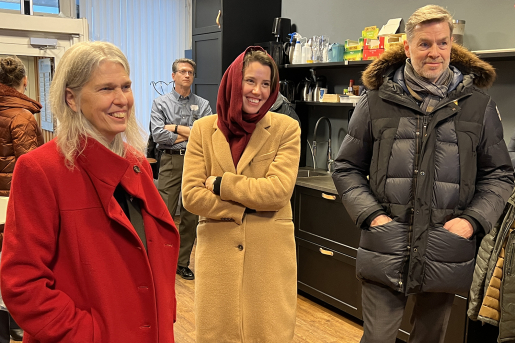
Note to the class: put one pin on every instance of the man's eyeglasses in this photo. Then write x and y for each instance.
(186, 72)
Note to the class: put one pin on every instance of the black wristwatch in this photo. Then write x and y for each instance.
(176, 126)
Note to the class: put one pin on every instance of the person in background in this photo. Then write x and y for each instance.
(431, 143)
(282, 105)
(88, 240)
(239, 173)
(511, 149)
(19, 134)
(171, 120)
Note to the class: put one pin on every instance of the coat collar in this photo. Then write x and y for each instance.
(106, 170)
(222, 150)
(465, 61)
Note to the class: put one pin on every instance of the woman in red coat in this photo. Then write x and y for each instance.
(90, 248)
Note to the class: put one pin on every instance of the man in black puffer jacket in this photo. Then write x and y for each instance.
(431, 142)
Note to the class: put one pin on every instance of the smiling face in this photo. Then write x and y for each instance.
(430, 49)
(255, 87)
(105, 100)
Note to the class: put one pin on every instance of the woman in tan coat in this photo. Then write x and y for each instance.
(239, 173)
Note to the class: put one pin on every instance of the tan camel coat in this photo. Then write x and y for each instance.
(245, 264)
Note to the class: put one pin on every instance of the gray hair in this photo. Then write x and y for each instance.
(427, 14)
(12, 71)
(73, 71)
(183, 60)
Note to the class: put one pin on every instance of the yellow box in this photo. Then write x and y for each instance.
(355, 55)
(370, 32)
(352, 45)
(392, 40)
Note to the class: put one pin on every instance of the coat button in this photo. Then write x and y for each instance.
(415, 250)
(136, 169)
(240, 247)
(422, 173)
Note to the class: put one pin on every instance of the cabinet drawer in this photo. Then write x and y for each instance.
(324, 221)
(329, 278)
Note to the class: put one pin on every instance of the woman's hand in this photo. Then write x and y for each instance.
(209, 183)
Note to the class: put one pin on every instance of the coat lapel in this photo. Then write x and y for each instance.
(222, 150)
(256, 142)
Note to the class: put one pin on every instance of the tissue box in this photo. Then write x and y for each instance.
(369, 43)
(372, 54)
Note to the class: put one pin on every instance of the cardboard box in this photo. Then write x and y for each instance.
(392, 40)
(370, 32)
(372, 54)
(353, 45)
(369, 43)
(355, 55)
(331, 98)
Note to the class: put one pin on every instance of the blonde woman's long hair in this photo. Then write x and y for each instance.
(73, 129)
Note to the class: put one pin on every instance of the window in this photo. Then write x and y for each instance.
(13, 5)
(41, 7)
(45, 6)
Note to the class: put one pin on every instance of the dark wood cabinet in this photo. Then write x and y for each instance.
(327, 242)
(241, 24)
(205, 14)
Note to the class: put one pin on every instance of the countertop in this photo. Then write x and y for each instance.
(320, 183)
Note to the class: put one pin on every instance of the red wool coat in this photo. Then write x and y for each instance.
(73, 268)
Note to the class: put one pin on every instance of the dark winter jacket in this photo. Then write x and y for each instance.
(424, 170)
(282, 105)
(492, 294)
(511, 149)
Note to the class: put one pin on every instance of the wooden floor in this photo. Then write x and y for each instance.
(315, 323)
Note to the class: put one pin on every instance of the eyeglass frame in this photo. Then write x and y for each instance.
(184, 72)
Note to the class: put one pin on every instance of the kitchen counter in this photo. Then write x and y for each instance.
(320, 183)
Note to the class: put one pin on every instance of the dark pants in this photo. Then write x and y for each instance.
(7, 325)
(169, 186)
(383, 309)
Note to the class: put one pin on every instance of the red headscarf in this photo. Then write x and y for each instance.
(237, 127)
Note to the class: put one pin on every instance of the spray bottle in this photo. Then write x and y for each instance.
(297, 53)
(291, 47)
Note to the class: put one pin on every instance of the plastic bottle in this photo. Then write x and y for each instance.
(297, 53)
(350, 90)
(291, 47)
(306, 51)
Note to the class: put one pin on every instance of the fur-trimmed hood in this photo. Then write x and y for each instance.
(461, 58)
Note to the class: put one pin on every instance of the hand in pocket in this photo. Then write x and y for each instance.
(380, 220)
(460, 227)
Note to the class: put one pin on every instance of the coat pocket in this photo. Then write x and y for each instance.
(450, 261)
(389, 238)
(268, 155)
(382, 254)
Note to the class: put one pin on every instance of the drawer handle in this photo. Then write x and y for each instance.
(218, 18)
(326, 252)
(328, 197)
